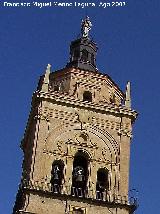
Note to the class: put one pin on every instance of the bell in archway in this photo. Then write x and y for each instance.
(56, 172)
(79, 174)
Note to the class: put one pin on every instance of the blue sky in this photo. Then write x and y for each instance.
(128, 39)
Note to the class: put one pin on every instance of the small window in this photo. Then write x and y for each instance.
(76, 55)
(87, 96)
(84, 55)
(77, 211)
(56, 88)
(92, 59)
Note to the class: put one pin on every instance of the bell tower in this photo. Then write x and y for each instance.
(77, 140)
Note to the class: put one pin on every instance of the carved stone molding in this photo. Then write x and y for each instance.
(82, 143)
(125, 132)
(47, 113)
(42, 114)
(61, 149)
(109, 124)
(71, 100)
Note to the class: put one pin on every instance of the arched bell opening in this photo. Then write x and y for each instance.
(102, 184)
(84, 56)
(57, 176)
(76, 55)
(92, 59)
(80, 174)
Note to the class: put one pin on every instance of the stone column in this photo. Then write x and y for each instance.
(124, 158)
(68, 175)
(93, 180)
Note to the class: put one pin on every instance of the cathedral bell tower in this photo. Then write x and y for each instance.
(77, 140)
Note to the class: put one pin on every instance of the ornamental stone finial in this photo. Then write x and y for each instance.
(86, 27)
(48, 67)
(128, 95)
(45, 85)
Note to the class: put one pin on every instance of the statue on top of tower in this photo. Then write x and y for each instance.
(86, 27)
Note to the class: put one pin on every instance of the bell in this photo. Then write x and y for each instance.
(56, 172)
(79, 178)
(100, 187)
(56, 177)
(79, 174)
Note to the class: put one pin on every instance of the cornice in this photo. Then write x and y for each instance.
(65, 99)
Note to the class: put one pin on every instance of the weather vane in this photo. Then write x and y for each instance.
(86, 27)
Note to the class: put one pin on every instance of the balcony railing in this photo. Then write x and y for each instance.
(57, 189)
(79, 192)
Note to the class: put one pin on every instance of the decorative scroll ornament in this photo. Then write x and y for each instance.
(79, 141)
(128, 95)
(61, 149)
(125, 132)
(86, 27)
(105, 155)
(83, 140)
(45, 85)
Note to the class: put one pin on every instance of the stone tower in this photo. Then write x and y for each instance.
(77, 140)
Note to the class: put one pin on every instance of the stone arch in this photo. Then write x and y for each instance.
(102, 182)
(57, 175)
(80, 173)
(84, 55)
(68, 131)
(106, 137)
